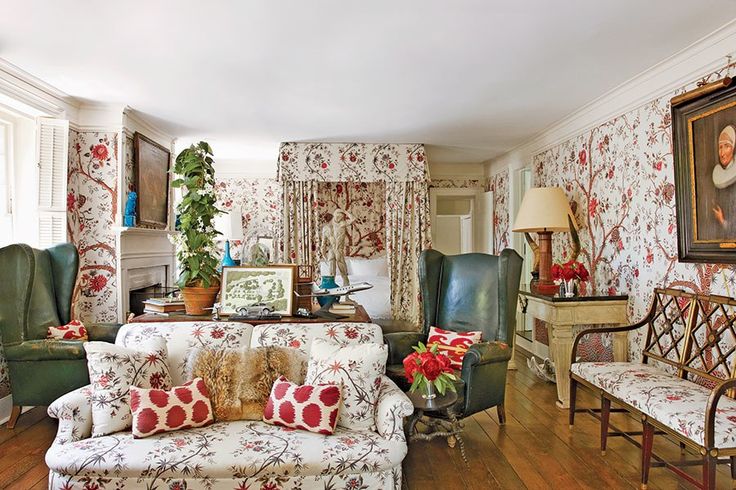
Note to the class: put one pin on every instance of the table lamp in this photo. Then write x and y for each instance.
(231, 226)
(544, 210)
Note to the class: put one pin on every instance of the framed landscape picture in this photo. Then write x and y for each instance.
(704, 137)
(152, 182)
(247, 286)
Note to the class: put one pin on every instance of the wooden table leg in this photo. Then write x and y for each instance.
(411, 426)
(560, 350)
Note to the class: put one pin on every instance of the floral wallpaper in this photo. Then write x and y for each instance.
(619, 177)
(499, 185)
(456, 184)
(91, 214)
(365, 201)
(261, 203)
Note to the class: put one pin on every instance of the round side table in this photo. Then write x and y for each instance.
(451, 428)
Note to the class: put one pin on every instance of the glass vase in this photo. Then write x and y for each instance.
(429, 393)
(570, 288)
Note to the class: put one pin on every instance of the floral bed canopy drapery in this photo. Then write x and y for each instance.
(403, 170)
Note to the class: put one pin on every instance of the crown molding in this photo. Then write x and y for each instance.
(662, 79)
(135, 121)
(35, 93)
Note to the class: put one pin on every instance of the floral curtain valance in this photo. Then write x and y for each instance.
(352, 162)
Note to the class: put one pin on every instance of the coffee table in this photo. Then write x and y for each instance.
(447, 425)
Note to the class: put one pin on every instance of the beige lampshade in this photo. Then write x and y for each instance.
(544, 209)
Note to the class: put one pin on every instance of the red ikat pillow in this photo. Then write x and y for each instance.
(74, 330)
(307, 407)
(453, 344)
(183, 407)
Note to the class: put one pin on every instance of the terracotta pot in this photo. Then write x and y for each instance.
(197, 299)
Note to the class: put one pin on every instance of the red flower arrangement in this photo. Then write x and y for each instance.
(425, 367)
(570, 270)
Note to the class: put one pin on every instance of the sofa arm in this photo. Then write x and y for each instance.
(74, 411)
(104, 332)
(393, 405)
(400, 345)
(487, 352)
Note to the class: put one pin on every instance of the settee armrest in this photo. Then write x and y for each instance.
(393, 405)
(400, 345)
(104, 332)
(74, 411)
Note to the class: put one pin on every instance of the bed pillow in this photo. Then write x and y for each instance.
(453, 344)
(368, 267)
(113, 370)
(358, 369)
(74, 330)
(183, 407)
(305, 407)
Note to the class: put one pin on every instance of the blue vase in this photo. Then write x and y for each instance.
(327, 283)
(227, 260)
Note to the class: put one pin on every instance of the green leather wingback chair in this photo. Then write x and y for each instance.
(463, 293)
(36, 288)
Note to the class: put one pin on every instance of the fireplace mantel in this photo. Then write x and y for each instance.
(145, 257)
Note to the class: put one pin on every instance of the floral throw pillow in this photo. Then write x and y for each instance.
(358, 368)
(453, 344)
(74, 330)
(182, 407)
(305, 407)
(113, 370)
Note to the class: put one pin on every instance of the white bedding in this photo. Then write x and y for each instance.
(377, 300)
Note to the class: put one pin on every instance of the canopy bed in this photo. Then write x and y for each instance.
(397, 178)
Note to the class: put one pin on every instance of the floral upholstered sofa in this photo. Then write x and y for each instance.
(241, 454)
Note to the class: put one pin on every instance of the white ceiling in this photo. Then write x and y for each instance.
(472, 79)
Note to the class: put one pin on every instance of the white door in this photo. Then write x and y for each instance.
(466, 234)
(446, 235)
(485, 222)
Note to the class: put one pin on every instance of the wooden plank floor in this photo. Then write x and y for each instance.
(535, 449)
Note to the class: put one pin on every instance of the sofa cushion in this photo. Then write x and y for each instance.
(237, 450)
(680, 404)
(358, 368)
(300, 335)
(113, 370)
(74, 330)
(182, 407)
(306, 407)
(183, 337)
(453, 344)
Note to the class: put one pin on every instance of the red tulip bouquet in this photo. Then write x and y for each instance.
(426, 369)
(569, 273)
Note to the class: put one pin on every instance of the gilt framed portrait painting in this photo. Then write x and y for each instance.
(704, 137)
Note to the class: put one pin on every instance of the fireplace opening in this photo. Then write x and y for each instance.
(138, 296)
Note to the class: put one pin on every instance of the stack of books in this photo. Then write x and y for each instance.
(343, 309)
(163, 306)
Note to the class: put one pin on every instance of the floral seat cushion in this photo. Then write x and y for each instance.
(680, 404)
(247, 450)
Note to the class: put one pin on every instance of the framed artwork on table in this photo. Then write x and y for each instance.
(703, 141)
(152, 182)
(272, 285)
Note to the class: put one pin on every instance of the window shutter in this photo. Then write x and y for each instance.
(53, 154)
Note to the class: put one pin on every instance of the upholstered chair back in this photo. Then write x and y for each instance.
(36, 287)
(471, 292)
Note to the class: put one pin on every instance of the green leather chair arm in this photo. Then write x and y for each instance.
(45, 350)
(487, 352)
(104, 332)
(400, 345)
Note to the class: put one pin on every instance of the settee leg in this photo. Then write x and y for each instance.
(573, 393)
(605, 415)
(646, 452)
(501, 414)
(733, 468)
(14, 414)
(709, 472)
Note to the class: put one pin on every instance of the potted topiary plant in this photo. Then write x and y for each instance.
(195, 243)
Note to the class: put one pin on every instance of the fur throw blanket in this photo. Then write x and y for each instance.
(240, 380)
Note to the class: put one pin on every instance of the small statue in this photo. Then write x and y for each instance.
(259, 255)
(332, 247)
(129, 217)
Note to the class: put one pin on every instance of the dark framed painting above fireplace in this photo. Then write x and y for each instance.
(152, 163)
(703, 142)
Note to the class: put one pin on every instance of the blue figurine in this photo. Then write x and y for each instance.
(129, 217)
